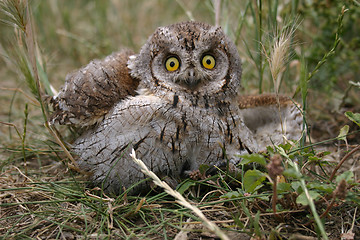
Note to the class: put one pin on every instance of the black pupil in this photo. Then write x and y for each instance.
(172, 64)
(208, 61)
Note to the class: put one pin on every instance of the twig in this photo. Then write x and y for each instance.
(33, 101)
(339, 192)
(54, 133)
(14, 126)
(274, 198)
(180, 199)
(22, 174)
(275, 169)
(183, 233)
(342, 161)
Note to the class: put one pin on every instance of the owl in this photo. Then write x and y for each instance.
(176, 103)
(89, 93)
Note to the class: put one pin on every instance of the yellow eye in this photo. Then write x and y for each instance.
(172, 64)
(208, 62)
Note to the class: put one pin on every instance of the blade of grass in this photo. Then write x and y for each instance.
(331, 52)
(241, 22)
(257, 13)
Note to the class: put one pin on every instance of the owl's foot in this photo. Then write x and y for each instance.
(197, 175)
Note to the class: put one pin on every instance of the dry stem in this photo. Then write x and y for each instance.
(180, 199)
(342, 161)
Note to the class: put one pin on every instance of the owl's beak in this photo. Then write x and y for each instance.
(191, 78)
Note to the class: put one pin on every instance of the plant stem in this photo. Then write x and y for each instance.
(217, 7)
(258, 37)
(331, 51)
(342, 161)
(30, 43)
(312, 205)
(24, 136)
(329, 207)
(274, 198)
(304, 188)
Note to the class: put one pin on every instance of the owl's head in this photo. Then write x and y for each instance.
(189, 59)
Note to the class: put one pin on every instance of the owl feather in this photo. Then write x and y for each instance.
(90, 92)
(176, 103)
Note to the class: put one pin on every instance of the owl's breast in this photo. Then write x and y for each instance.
(200, 135)
(167, 138)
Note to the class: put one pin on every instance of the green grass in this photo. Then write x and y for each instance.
(42, 196)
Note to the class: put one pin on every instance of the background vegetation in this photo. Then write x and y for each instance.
(42, 197)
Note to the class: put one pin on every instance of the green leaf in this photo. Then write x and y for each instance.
(355, 117)
(286, 146)
(348, 176)
(290, 172)
(343, 132)
(44, 79)
(263, 197)
(258, 231)
(185, 186)
(283, 153)
(203, 168)
(283, 187)
(252, 180)
(296, 185)
(354, 197)
(239, 222)
(314, 159)
(302, 199)
(270, 150)
(328, 188)
(250, 158)
(232, 194)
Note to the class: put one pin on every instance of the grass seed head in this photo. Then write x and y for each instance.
(279, 53)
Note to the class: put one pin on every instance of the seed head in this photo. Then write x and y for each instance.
(275, 167)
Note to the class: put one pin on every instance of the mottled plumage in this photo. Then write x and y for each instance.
(89, 93)
(186, 113)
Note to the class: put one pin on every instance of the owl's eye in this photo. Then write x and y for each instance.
(208, 62)
(172, 64)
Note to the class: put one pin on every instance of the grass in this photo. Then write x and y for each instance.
(43, 196)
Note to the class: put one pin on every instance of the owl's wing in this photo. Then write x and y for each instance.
(269, 123)
(134, 123)
(90, 92)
